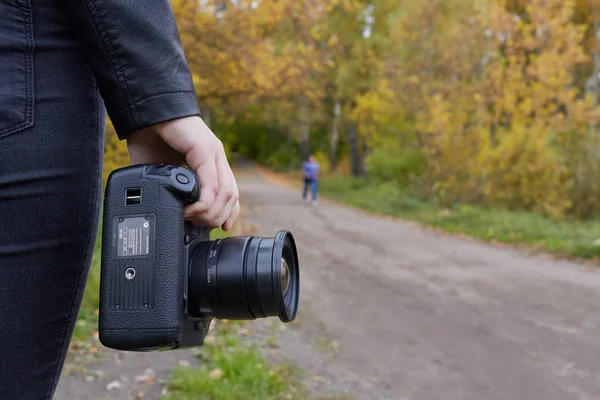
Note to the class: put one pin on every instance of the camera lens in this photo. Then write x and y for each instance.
(245, 277)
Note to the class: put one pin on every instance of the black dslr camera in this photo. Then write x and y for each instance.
(163, 279)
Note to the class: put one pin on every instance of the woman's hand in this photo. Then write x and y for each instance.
(188, 140)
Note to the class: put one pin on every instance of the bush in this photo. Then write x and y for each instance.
(283, 159)
(522, 172)
(391, 163)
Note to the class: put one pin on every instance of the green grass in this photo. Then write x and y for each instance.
(577, 238)
(245, 375)
(87, 320)
(233, 370)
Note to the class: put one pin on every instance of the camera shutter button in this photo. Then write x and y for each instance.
(181, 178)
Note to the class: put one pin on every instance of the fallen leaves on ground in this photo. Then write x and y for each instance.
(216, 373)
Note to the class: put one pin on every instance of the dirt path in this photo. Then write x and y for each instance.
(419, 315)
(388, 311)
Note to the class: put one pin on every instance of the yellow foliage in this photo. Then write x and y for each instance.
(323, 160)
(523, 171)
(490, 92)
(492, 100)
(232, 57)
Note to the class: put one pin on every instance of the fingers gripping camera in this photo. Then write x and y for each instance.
(163, 280)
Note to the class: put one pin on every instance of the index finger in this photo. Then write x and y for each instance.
(207, 177)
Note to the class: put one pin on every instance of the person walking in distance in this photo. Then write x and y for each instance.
(310, 169)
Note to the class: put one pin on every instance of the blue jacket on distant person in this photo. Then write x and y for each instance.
(310, 169)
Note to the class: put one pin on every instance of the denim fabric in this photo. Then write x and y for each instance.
(51, 145)
(313, 184)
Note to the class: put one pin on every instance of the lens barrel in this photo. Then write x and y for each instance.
(245, 277)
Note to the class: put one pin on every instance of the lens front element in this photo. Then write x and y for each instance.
(285, 276)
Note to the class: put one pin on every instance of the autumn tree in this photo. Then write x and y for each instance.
(491, 101)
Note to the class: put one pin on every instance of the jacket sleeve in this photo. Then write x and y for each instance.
(135, 51)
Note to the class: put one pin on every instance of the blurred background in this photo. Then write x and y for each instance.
(474, 116)
(477, 101)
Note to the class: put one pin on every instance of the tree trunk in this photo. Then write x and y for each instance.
(220, 9)
(593, 82)
(595, 12)
(335, 135)
(355, 161)
(304, 125)
(493, 135)
(596, 52)
(364, 155)
(206, 116)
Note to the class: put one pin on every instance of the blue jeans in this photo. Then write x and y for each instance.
(52, 124)
(313, 184)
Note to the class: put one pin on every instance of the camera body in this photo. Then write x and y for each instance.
(163, 280)
(145, 258)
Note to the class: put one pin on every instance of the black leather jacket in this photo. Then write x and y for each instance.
(135, 51)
